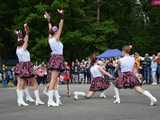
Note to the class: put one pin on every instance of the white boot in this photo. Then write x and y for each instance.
(38, 100)
(45, 91)
(57, 96)
(50, 99)
(117, 101)
(76, 94)
(151, 97)
(102, 95)
(28, 96)
(20, 100)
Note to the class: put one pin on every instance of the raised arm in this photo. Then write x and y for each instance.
(58, 34)
(48, 17)
(26, 30)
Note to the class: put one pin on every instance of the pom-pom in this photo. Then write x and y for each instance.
(130, 46)
(26, 28)
(16, 31)
(19, 35)
(61, 13)
(45, 16)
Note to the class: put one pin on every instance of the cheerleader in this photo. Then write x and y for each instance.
(113, 71)
(24, 69)
(127, 77)
(56, 62)
(98, 83)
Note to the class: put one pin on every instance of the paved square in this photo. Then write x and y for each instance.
(133, 107)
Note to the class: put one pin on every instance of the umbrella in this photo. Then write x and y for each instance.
(110, 53)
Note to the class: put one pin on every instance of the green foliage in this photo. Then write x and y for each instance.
(121, 22)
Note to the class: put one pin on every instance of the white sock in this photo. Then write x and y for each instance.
(36, 93)
(20, 98)
(116, 93)
(103, 93)
(56, 93)
(23, 93)
(50, 95)
(18, 95)
(149, 95)
(26, 91)
(80, 93)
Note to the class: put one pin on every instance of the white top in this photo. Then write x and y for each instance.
(127, 63)
(95, 71)
(154, 66)
(56, 46)
(23, 55)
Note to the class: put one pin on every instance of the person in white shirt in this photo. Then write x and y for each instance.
(127, 77)
(56, 62)
(153, 69)
(98, 83)
(24, 70)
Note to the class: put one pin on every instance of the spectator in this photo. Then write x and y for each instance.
(137, 62)
(85, 72)
(158, 68)
(81, 73)
(72, 71)
(154, 68)
(9, 77)
(75, 72)
(146, 65)
(0, 77)
(45, 73)
(138, 68)
(67, 77)
(14, 77)
(110, 67)
(40, 73)
(4, 79)
(88, 73)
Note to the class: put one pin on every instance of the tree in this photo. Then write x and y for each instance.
(89, 26)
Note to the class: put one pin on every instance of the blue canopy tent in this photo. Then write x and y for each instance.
(110, 53)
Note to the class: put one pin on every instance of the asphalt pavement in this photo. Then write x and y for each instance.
(133, 106)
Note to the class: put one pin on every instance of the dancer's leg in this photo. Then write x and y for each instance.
(20, 92)
(116, 90)
(146, 93)
(68, 90)
(88, 95)
(51, 88)
(36, 92)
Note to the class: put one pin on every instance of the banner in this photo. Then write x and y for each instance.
(155, 2)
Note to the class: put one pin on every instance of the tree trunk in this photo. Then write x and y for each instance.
(98, 11)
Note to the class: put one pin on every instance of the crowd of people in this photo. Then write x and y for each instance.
(79, 71)
(6, 75)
